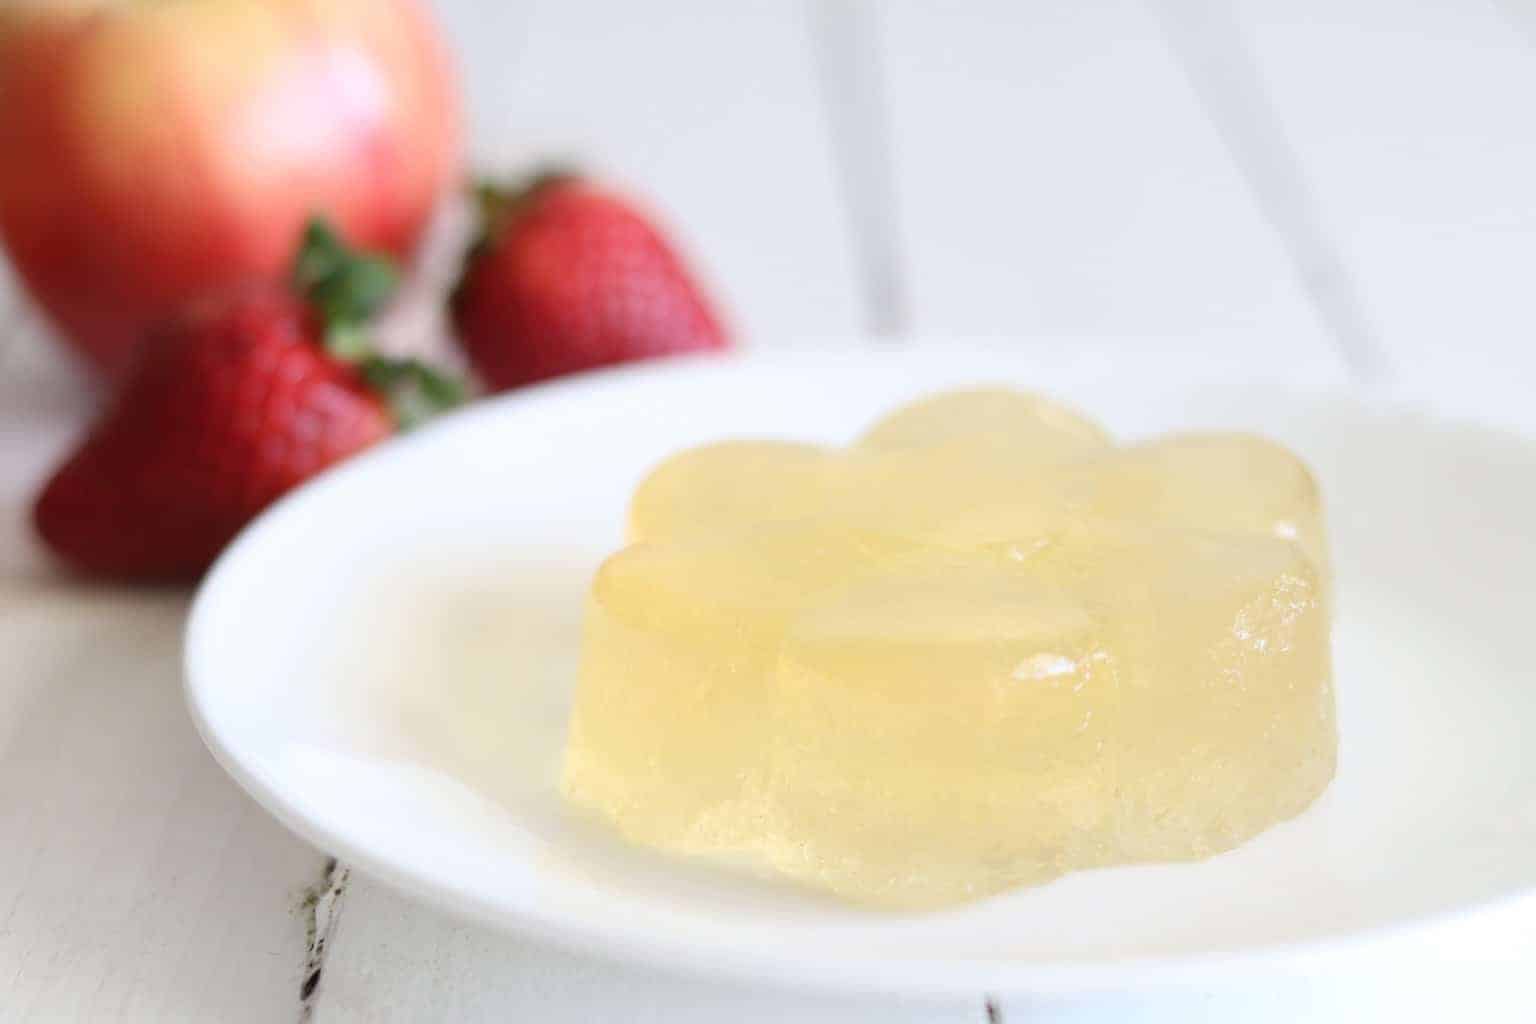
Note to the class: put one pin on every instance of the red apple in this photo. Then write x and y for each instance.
(153, 151)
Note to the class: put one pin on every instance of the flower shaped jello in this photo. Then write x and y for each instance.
(981, 647)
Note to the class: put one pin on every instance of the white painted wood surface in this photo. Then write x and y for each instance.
(136, 882)
(1413, 126)
(1057, 176)
(392, 961)
(1266, 181)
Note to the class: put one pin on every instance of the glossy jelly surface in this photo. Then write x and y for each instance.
(978, 648)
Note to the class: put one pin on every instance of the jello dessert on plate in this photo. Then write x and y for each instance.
(979, 647)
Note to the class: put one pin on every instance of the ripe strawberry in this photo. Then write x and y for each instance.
(233, 404)
(568, 277)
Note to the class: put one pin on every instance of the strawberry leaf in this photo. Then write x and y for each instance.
(498, 203)
(346, 288)
(416, 391)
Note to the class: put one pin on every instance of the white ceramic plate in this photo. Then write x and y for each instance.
(385, 661)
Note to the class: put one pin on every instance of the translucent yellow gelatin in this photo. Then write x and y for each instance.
(1233, 483)
(669, 733)
(988, 416)
(941, 733)
(722, 486)
(1225, 698)
(979, 649)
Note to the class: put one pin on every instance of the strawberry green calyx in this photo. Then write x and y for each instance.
(416, 390)
(347, 289)
(496, 203)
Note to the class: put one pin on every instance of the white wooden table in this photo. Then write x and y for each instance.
(1348, 186)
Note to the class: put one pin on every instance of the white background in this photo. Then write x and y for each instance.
(1348, 185)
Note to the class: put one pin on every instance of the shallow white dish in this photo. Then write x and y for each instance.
(384, 661)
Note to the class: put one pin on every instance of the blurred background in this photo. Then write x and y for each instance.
(1351, 177)
(1338, 183)
(1335, 189)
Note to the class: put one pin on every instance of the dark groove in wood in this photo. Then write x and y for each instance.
(1211, 48)
(847, 58)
